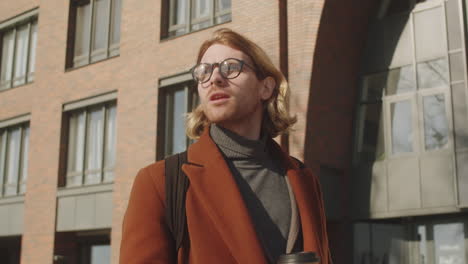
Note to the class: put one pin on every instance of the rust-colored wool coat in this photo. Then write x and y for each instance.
(219, 225)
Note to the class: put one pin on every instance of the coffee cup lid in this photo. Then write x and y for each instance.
(299, 257)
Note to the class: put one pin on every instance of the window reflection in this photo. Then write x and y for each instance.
(449, 240)
(433, 73)
(435, 122)
(401, 127)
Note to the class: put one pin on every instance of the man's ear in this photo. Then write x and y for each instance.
(268, 87)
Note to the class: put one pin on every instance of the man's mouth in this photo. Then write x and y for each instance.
(218, 96)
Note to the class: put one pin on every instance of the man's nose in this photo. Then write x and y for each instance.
(217, 78)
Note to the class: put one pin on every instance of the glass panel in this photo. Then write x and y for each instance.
(101, 24)
(175, 122)
(430, 35)
(111, 130)
(3, 138)
(76, 148)
(373, 87)
(372, 137)
(201, 8)
(456, 67)
(433, 73)
(449, 243)
(32, 51)
(223, 5)
(178, 12)
(100, 254)
(21, 53)
(25, 161)
(401, 80)
(388, 243)
(422, 238)
(116, 14)
(402, 127)
(453, 25)
(94, 138)
(435, 122)
(14, 144)
(82, 30)
(7, 59)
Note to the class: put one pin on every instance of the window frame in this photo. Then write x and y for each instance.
(169, 29)
(28, 18)
(91, 56)
(22, 123)
(167, 87)
(104, 103)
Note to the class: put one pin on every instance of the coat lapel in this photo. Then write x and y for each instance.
(307, 193)
(213, 184)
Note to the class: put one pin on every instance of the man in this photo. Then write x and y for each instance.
(248, 201)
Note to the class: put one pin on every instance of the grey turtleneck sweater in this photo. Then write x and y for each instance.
(262, 183)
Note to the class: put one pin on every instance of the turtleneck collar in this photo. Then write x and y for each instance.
(236, 146)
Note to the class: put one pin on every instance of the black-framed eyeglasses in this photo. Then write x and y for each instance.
(229, 68)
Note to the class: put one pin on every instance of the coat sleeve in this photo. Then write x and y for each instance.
(145, 235)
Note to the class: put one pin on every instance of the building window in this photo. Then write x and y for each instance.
(95, 253)
(14, 145)
(405, 102)
(184, 16)
(94, 31)
(91, 145)
(430, 241)
(174, 102)
(83, 247)
(18, 52)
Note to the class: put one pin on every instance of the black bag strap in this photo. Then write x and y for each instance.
(176, 185)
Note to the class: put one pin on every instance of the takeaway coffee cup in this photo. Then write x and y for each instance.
(299, 258)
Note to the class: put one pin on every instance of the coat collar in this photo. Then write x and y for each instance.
(212, 182)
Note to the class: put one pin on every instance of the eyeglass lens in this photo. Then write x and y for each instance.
(229, 69)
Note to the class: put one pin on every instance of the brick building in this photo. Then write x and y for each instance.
(93, 90)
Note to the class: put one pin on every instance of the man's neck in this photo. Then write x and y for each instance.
(249, 131)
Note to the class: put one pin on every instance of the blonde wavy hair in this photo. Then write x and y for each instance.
(276, 119)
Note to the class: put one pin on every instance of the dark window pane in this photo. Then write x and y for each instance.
(116, 15)
(175, 122)
(101, 27)
(7, 59)
(32, 52)
(402, 127)
(372, 135)
(21, 54)
(24, 159)
(109, 161)
(178, 12)
(76, 139)
(94, 144)
(13, 161)
(3, 146)
(432, 74)
(82, 32)
(401, 80)
(373, 87)
(435, 122)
